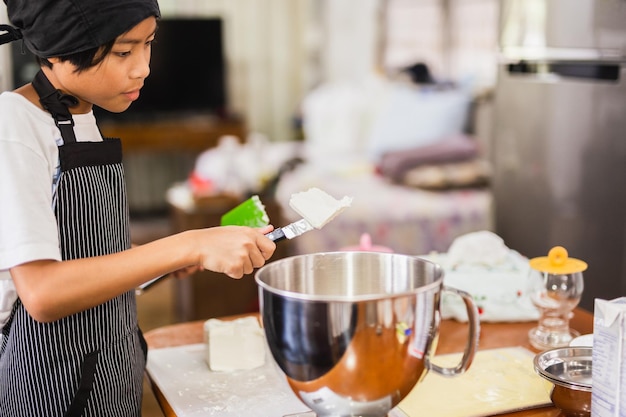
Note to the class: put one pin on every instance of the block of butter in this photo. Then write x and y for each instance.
(234, 344)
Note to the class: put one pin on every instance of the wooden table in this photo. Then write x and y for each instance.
(453, 337)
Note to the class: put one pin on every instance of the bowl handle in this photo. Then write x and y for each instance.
(472, 342)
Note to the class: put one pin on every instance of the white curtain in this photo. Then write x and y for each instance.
(456, 38)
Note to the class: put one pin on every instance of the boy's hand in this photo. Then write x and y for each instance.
(234, 250)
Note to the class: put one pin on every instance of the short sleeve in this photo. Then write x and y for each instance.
(28, 229)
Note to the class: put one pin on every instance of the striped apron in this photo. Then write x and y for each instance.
(90, 363)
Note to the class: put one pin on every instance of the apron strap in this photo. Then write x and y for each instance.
(85, 386)
(57, 104)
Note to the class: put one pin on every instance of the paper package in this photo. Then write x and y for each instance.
(608, 395)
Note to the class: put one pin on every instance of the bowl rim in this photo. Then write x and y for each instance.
(576, 351)
(436, 284)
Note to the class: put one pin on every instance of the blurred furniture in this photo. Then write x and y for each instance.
(454, 335)
(349, 129)
(159, 153)
(209, 294)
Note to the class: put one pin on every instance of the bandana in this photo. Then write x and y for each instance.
(52, 28)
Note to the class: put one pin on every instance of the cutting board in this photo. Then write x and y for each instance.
(498, 381)
(192, 389)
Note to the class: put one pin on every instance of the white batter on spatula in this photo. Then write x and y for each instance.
(318, 207)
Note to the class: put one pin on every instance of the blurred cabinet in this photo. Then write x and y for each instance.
(209, 294)
(183, 134)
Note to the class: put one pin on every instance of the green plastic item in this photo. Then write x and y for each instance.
(250, 213)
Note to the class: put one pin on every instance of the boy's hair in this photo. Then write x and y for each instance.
(82, 60)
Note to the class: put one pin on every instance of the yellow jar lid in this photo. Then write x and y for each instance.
(557, 262)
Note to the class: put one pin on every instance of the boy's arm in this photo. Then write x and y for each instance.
(51, 290)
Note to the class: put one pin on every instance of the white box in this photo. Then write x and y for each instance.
(608, 395)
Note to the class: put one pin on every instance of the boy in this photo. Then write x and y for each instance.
(71, 345)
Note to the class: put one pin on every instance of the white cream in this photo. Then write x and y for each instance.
(318, 207)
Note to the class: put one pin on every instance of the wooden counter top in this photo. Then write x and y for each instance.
(453, 336)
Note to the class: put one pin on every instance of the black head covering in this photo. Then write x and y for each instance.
(53, 28)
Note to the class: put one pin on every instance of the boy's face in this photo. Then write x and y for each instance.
(115, 83)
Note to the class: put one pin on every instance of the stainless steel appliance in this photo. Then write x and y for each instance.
(559, 148)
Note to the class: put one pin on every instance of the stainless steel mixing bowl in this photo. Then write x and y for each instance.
(353, 332)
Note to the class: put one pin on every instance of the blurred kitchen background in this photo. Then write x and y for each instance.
(441, 117)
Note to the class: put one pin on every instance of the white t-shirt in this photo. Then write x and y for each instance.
(28, 161)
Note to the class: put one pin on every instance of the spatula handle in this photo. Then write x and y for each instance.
(276, 235)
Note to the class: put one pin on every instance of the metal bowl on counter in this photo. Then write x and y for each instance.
(569, 370)
(353, 332)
